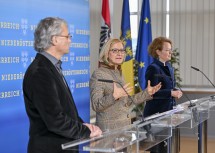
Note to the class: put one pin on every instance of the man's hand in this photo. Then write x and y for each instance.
(95, 130)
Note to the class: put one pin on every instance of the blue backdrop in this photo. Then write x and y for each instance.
(18, 20)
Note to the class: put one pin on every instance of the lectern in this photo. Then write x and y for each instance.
(191, 117)
(127, 139)
(148, 132)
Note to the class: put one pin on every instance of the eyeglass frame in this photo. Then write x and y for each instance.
(117, 51)
(68, 36)
(168, 50)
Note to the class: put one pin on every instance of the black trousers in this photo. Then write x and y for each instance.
(162, 147)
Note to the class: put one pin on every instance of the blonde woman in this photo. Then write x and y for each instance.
(109, 100)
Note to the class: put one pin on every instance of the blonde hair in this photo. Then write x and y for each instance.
(157, 44)
(103, 56)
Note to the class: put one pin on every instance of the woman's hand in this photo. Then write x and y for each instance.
(152, 90)
(176, 93)
(120, 92)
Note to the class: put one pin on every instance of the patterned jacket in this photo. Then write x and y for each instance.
(111, 113)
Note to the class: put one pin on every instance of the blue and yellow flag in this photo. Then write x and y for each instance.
(144, 39)
(127, 66)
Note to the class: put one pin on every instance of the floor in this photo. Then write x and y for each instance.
(190, 145)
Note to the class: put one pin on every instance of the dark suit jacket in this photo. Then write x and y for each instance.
(53, 116)
(162, 100)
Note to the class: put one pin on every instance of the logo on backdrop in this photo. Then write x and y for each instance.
(72, 58)
(24, 58)
(72, 85)
(24, 26)
(72, 29)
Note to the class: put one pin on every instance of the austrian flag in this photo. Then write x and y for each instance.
(105, 25)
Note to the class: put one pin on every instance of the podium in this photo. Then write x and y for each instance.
(192, 117)
(144, 134)
(128, 138)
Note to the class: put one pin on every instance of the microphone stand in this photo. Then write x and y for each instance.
(112, 81)
(147, 128)
(194, 110)
(191, 104)
(202, 127)
(141, 113)
(203, 74)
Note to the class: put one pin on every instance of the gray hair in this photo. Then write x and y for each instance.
(46, 29)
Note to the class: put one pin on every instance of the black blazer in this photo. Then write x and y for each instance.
(52, 113)
(162, 100)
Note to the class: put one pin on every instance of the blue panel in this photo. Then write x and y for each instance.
(18, 20)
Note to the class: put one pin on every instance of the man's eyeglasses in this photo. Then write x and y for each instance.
(68, 36)
(117, 51)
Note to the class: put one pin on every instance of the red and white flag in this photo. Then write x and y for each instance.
(105, 25)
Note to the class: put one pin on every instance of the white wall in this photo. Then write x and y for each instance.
(95, 24)
(192, 31)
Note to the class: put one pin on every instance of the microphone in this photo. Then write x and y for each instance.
(203, 74)
(205, 77)
(112, 81)
(165, 76)
(195, 68)
(108, 81)
(191, 104)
